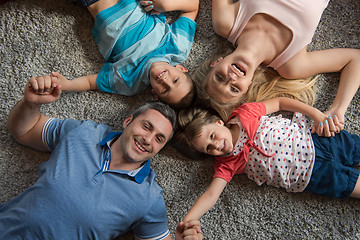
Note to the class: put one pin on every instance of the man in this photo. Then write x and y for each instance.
(97, 184)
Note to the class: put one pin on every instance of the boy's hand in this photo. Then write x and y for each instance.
(188, 231)
(41, 90)
(150, 6)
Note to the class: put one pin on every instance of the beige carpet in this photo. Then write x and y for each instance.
(37, 37)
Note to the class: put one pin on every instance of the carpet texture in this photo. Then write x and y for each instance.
(37, 37)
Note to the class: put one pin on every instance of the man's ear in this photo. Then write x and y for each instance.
(216, 62)
(155, 95)
(184, 69)
(127, 121)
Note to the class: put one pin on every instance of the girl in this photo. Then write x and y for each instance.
(274, 150)
(274, 33)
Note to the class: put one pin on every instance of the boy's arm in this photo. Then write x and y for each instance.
(80, 84)
(207, 200)
(288, 104)
(25, 122)
(188, 8)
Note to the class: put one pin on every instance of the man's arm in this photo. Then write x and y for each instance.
(25, 122)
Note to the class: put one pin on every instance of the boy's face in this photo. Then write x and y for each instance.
(215, 139)
(169, 84)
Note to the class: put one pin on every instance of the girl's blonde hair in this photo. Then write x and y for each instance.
(189, 126)
(266, 84)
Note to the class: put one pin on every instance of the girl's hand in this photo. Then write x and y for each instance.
(190, 230)
(328, 127)
(148, 6)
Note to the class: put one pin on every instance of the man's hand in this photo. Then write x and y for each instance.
(42, 90)
(189, 230)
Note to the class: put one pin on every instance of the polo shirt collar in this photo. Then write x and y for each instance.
(144, 170)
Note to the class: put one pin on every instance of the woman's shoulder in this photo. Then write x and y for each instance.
(224, 16)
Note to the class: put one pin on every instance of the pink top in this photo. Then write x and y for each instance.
(300, 16)
(273, 150)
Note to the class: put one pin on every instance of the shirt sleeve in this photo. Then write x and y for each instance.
(55, 129)
(154, 224)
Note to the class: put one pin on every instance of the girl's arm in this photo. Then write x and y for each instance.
(80, 84)
(288, 104)
(344, 60)
(207, 200)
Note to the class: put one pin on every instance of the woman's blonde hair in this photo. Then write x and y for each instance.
(189, 126)
(266, 84)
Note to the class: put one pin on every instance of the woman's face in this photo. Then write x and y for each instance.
(230, 78)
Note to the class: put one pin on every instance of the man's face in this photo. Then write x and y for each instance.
(144, 136)
(169, 84)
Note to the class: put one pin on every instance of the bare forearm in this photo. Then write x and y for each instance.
(348, 85)
(207, 200)
(80, 84)
(287, 104)
(183, 6)
(201, 206)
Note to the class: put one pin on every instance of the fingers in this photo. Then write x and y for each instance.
(147, 5)
(326, 131)
(180, 227)
(192, 234)
(329, 127)
(194, 224)
(339, 125)
(42, 85)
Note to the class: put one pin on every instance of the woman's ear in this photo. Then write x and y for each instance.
(216, 62)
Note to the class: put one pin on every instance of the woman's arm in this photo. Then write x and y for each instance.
(344, 60)
(207, 200)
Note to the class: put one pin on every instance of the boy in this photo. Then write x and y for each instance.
(141, 49)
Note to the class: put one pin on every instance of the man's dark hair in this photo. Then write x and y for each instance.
(162, 108)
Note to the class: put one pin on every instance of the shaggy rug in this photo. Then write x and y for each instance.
(37, 37)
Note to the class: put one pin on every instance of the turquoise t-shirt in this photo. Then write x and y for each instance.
(131, 40)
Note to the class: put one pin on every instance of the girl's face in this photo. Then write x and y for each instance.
(230, 78)
(215, 139)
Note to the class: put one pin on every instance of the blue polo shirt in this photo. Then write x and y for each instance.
(76, 196)
(131, 40)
